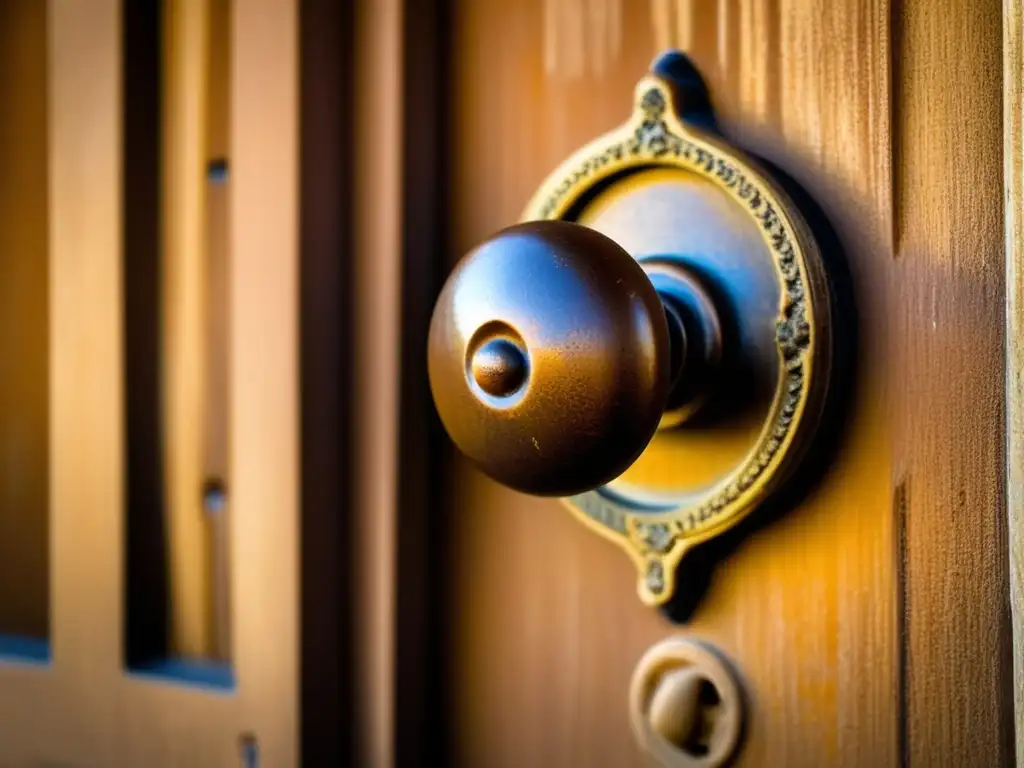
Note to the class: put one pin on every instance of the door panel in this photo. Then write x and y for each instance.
(83, 705)
(858, 625)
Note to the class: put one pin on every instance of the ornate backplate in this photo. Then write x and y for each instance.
(654, 170)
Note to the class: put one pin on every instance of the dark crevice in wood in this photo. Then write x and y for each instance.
(326, 94)
(148, 591)
(421, 670)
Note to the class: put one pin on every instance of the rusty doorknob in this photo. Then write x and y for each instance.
(552, 356)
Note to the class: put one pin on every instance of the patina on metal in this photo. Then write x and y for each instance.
(654, 344)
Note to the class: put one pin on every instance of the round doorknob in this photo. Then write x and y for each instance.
(551, 357)
(655, 345)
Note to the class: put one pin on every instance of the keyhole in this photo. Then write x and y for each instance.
(683, 710)
(686, 705)
(707, 709)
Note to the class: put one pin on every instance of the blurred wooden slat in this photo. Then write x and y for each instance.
(216, 448)
(1013, 168)
(24, 322)
(196, 104)
(377, 253)
(85, 342)
(264, 364)
(184, 326)
(25, 338)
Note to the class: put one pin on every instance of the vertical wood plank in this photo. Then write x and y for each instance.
(397, 183)
(1013, 183)
(948, 388)
(216, 453)
(86, 359)
(183, 270)
(377, 304)
(24, 322)
(27, 691)
(264, 415)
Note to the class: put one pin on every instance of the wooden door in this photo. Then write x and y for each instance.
(870, 620)
(369, 598)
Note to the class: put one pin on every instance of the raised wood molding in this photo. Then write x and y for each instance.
(369, 225)
(1013, 169)
(397, 226)
(376, 362)
(186, 28)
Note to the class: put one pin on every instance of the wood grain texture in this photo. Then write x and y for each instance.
(946, 354)
(84, 709)
(1013, 183)
(545, 623)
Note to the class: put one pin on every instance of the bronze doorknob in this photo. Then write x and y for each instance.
(552, 356)
(654, 344)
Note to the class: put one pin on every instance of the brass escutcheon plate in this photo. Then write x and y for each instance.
(668, 190)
